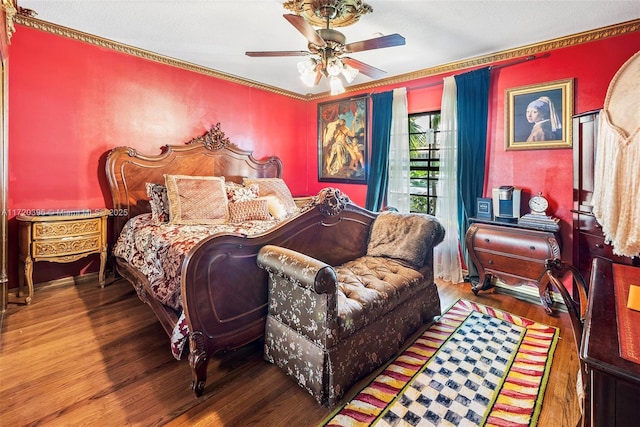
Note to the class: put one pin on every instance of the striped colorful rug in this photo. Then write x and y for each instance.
(475, 366)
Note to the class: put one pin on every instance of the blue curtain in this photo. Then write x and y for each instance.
(378, 176)
(473, 111)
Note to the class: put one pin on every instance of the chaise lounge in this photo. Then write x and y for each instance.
(327, 326)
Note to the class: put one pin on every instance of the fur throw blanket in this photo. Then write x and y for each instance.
(405, 237)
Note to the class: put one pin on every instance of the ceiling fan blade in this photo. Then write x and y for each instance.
(318, 78)
(279, 53)
(368, 70)
(306, 29)
(376, 43)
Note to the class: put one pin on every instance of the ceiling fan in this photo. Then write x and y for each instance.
(327, 47)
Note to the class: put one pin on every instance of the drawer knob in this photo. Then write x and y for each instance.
(491, 262)
(533, 248)
(599, 245)
(486, 240)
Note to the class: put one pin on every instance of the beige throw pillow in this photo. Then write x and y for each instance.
(275, 187)
(196, 199)
(249, 210)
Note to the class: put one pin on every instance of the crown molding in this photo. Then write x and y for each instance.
(532, 49)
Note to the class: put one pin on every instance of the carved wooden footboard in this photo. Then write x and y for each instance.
(231, 309)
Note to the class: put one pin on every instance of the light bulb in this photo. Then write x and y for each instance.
(308, 78)
(307, 70)
(305, 65)
(334, 67)
(336, 86)
(349, 73)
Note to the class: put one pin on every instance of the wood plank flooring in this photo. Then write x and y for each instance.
(82, 355)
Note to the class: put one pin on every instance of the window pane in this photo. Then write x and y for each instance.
(424, 140)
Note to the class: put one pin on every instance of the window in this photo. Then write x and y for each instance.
(424, 163)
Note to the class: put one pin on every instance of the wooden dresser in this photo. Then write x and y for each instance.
(614, 380)
(59, 238)
(512, 253)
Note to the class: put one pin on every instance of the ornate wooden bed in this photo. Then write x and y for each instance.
(224, 292)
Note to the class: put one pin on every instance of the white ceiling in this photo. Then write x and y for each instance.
(216, 33)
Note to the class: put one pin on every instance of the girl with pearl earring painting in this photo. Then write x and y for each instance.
(546, 124)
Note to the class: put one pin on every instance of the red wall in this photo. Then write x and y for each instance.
(71, 102)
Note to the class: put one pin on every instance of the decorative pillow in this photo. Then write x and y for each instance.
(275, 187)
(159, 202)
(249, 210)
(240, 193)
(276, 208)
(196, 199)
(405, 237)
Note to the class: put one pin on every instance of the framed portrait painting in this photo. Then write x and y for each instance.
(539, 116)
(343, 140)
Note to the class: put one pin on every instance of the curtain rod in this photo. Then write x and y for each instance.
(491, 68)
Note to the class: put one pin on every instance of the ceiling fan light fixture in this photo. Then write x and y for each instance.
(327, 45)
(334, 67)
(349, 72)
(307, 64)
(308, 71)
(336, 86)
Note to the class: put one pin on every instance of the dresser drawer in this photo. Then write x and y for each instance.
(66, 246)
(504, 265)
(588, 224)
(594, 246)
(59, 229)
(518, 243)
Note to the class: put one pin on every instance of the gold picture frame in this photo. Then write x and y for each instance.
(539, 116)
(343, 140)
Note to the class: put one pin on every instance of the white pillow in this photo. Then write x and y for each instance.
(276, 208)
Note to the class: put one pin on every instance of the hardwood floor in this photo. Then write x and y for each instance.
(82, 355)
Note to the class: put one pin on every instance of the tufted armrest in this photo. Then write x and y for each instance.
(302, 293)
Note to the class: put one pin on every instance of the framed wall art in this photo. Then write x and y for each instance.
(539, 116)
(343, 140)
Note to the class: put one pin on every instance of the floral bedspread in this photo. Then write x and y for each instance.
(158, 250)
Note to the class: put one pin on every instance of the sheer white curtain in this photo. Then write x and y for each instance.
(398, 189)
(447, 264)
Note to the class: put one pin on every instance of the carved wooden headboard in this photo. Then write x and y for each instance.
(211, 154)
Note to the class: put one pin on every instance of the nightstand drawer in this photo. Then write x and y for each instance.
(529, 269)
(59, 229)
(529, 244)
(66, 246)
